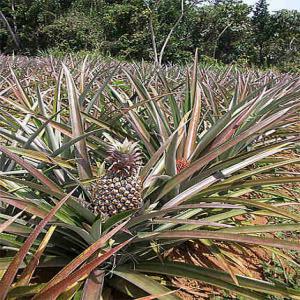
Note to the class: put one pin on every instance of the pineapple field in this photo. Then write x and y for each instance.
(132, 181)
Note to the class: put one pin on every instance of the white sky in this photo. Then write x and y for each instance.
(279, 4)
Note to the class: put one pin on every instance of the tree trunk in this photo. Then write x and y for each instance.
(10, 30)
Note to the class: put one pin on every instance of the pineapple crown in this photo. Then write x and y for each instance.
(124, 158)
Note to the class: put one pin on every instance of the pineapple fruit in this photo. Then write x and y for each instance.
(181, 164)
(120, 188)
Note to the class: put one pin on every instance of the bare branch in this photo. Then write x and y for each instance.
(170, 33)
(10, 30)
(218, 38)
(153, 40)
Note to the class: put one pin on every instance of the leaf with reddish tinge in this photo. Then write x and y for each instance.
(83, 164)
(33, 263)
(221, 236)
(13, 268)
(6, 224)
(31, 169)
(22, 204)
(204, 160)
(54, 291)
(76, 262)
(93, 286)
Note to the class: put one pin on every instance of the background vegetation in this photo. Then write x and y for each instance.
(227, 30)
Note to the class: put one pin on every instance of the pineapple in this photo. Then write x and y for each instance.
(181, 164)
(120, 188)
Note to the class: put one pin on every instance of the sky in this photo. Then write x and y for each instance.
(279, 4)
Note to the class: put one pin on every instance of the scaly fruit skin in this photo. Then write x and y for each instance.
(120, 188)
(181, 164)
(112, 194)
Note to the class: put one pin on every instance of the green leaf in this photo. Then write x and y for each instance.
(146, 283)
(221, 236)
(198, 164)
(219, 278)
(82, 159)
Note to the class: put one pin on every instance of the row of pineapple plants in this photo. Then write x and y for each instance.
(105, 167)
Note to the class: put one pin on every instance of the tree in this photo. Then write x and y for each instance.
(223, 30)
(27, 18)
(160, 30)
(73, 32)
(12, 32)
(124, 25)
(261, 29)
(285, 44)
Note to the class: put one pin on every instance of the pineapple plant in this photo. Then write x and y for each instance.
(119, 189)
(199, 172)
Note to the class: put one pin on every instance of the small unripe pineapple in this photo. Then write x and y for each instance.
(181, 164)
(120, 188)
